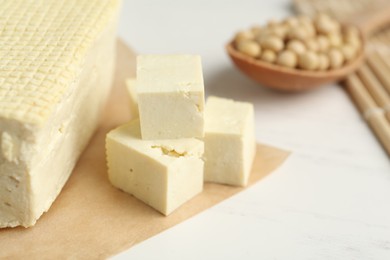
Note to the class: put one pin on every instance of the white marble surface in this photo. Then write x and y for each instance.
(330, 200)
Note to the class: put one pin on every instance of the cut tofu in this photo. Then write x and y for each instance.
(162, 173)
(130, 85)
(170, 94)
(229, 141)
(56, 69)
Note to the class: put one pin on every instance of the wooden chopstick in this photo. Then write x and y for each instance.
(379, 68)
(359, 94)
(372, 113)
(375, 89)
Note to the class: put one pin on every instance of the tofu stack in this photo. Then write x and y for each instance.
(158, 158)
(56, 68)
(164, 157)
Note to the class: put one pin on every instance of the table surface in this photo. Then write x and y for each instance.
(329, 200)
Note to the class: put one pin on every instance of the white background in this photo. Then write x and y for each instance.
(330, 200)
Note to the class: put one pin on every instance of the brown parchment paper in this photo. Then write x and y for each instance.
(93, 220)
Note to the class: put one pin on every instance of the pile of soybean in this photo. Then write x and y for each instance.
(318, 43)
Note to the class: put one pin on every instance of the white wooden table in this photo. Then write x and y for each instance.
(330, 200)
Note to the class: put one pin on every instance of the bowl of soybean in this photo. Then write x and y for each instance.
(298, 53)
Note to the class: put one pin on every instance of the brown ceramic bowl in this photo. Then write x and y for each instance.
(287, 79)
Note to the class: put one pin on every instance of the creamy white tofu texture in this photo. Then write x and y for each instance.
(229, 141)
(162, 173)
(61, 97)
(170, 94)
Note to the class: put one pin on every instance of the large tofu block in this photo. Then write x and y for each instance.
(56, 67)
(162, 173)
(229, 141)
(170, 94)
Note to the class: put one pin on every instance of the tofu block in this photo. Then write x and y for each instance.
(162, 173)
(170, 95)
(56, 70)
(229, 141)
(130, 85)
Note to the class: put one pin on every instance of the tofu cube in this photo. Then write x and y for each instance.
(229, 141)
(170, 94)
(162, 173)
